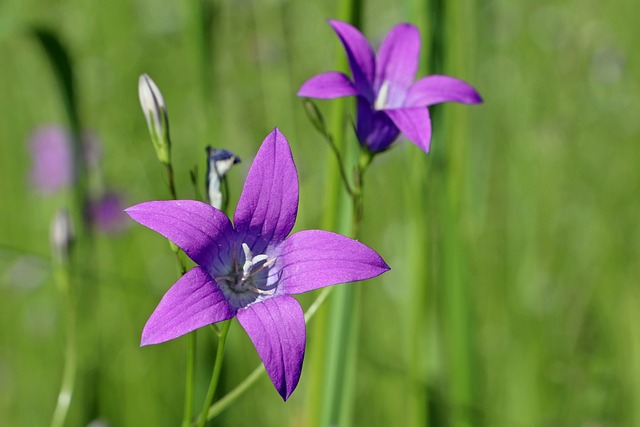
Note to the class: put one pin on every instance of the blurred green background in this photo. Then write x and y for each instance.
(513, 298)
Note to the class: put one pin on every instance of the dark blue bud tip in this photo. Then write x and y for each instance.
(217, 155)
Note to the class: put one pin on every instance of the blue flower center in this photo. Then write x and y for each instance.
(249, 279)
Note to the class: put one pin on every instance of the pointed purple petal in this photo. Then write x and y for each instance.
(327, 86)
(312, 259)
(200, 230)
(276, 327)
(268, 205)
(397, 63)
(374, 128)
(192, 302)
(360, 55)
(414, 123)
(437, 89)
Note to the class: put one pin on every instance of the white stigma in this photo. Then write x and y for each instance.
(383, 94)
(250, 261)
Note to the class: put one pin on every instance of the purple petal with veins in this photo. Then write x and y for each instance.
(250, 270)
(387, 95)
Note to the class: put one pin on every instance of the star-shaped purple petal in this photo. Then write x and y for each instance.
(250, 269)
(389, 101)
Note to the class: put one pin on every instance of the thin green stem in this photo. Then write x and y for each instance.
(71, 353)
(251, 379)
(171, 182)
(357, 195)
(341, 167)
(215, 375)
(190, 379)
(192, 337)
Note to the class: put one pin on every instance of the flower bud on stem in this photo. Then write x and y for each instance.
(155, 112)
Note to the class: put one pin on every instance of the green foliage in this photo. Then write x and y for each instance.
(528, 203)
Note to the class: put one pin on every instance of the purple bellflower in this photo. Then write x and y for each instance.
(389, 101)
(250, 269)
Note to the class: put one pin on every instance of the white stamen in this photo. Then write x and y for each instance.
(383, 94)
(248, 256)
(250, 261)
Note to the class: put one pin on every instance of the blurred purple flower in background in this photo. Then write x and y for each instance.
(52, 167)
(106, 214)
(250, 269)
(389, 101)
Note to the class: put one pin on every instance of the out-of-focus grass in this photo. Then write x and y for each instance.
(547, 215)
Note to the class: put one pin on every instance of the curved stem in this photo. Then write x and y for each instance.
(341, 168)
(215, 375)
(71, 355)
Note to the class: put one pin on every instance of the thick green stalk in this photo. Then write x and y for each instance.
(426, 14)
(341, 356)
(215, 375)
(63, 69)
(456, 304)
(345, 213)
(330, 338)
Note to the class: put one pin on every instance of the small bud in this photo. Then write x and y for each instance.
(155, 111)
(315, 116)
(218, 164)
(62, 235)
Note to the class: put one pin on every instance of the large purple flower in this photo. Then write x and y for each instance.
(389, 101)
(250, 269)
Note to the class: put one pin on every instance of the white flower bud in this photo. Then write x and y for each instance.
(62, 235)
(155, 111)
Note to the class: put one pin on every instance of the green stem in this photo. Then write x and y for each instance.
(215, 375)
(457, 306)
(336, 152)
(246, 384)
(427, 15)
(71, 355)
(334, 397)
(190, 379)
(192, 340)
(171, 182)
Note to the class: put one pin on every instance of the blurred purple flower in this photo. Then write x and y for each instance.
(105, 213)
(52, 156)
(53, 165)
(250, 269)
(389, 101)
